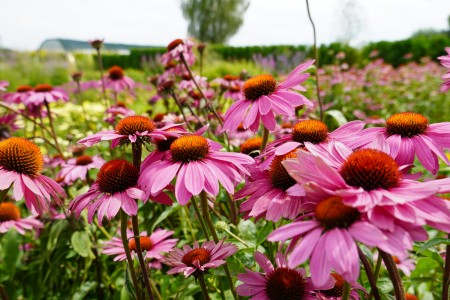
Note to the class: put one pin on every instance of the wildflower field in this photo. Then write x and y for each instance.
(207, 179)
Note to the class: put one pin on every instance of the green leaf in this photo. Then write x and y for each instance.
(10, 246)
(432, 243)
(83, 290)
(425, 266)
(165, 214)
(81, 243)
(264, 232)
(55, 231)
(337, 116)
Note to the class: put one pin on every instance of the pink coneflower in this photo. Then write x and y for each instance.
(117, 111)
(280, 282)
(3, 85)
(46, 93)
(7, 125)
(20, 164)
(264, 99)
(130, 129)
(154, 245)
(115, 188)
(175, 49)
(20, 96)
(54, 161)
(408, 134)
(117, 81)
(330, 239)
(251, 146)
(445, 61)
(10, 218)
(198, 165)
(336, 292)
(239, 136)
(77, 168)
(191, 261)
(267, 191)
(313, 131)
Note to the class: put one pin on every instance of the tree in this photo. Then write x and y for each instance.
(214, 21)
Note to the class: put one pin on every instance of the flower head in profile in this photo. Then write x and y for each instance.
(3, 85)
(96, 43)
(263, 99)
(275, 282)
(175, 49)
(77, 168)
(198, 165)
(46, 93)
(154, 245)
(7, 125)
(198, 259)
(20, 164)
(117, 81)
(131, 129)
(337, 291)
(20, 96)
(408, 135)
(445, 61)
(267, 191)
(115, 188)
(116, 112)
(10, 218)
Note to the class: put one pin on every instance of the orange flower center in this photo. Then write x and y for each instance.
(338, 288)
(406, 124)
(251, 146)
(21, 156)
(284, 284)
(409, 296)
(230, 77)
(42, 88)
(201, 255)
(189, 148)
(9, 212)
(259, 86)
(370, 169)
(278, 175)
(158, 117)
(146, 243)
(312, 131)
(115, 73)
(83, 160)
(174, 44)
(332, 213)
(117, 176)
(24, 88)
(235, 89)
(131, 125)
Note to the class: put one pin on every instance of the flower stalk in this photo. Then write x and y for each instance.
(394, 275)
(369, 273)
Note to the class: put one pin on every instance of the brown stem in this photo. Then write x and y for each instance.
(201, 281)
(369, 273)
(394, 275)
(52, 127)
(181, 110)
(446, 278)
(264, 139)
(316, 57)
(102, 78)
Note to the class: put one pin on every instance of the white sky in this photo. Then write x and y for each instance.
(24, 24)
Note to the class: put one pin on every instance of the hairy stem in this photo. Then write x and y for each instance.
(200, 218)
(346, 291)
(394, 275)
(265, 139)
(369, 273)
(201, 281)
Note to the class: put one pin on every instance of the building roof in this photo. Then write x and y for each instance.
(74, 45)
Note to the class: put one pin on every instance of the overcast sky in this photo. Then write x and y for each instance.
(24, 24)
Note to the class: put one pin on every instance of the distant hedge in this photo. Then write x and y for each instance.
(395, 53)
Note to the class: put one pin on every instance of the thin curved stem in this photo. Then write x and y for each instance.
(446, 278)
(394, 275)
(316, 57)
(52, 127)
(265, 139)
(200, 218)
(369, 273)
(175, 98)
(201, 281)
(123, 234)
(346, 291)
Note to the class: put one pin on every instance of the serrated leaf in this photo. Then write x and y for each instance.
(81, 243)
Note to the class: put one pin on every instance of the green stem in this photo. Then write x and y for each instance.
(181, 110)
(446, 278)
(265, 139)
(200, 218)
(316, 57)
(236, 237)
(233, 209)
(3, 194)
(376, 274)
(394, 275)
(204, 203)
(52, 127)
(346, 291)
(102, 78)
(201, 281)
(369, 273)
(123, 233)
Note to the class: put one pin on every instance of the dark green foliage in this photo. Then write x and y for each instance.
(214, 21)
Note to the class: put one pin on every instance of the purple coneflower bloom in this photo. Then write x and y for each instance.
(175, 49)
(280, 282)
(77, 168)
(46, 93)
(10, 218)
(198, 165)
(7, 125)
(117, 81)
(20, 164)
(153, 245)
(117, 111)
(445, 61)
(115, 188)
(130, 129)
(20, 96)
(264, 99)
(336, 292)
(408, 134)
(199, 258)
(3, 85)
